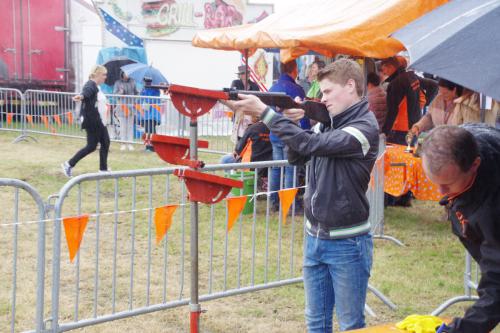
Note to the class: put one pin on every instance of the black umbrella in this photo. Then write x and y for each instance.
(460, 42)
(113, 66)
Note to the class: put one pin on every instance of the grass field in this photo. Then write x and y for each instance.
(417, 277)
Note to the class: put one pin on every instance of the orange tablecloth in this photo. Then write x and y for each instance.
(409, 176)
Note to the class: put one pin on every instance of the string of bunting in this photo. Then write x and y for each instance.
(75, 226)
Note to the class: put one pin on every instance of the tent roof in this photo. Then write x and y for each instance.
(329, 27)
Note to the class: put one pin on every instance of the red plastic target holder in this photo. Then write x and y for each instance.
(175, 150)
(194, 102)
(206, 188)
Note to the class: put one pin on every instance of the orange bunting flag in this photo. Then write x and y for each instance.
(163, 220)
(157, 107)
(69, 116)
(234, 207)
(45, 120)
(29, 118)
(74, 227)
(57, 119)
(9, 118)
(137, 107)
(286, 199)
(125, 109)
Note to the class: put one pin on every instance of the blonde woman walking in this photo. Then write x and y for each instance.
(92, 122)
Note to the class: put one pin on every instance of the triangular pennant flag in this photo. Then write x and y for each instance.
(163, 220)
(74, 227)
(9, 118)
(57, 119)
(45, 120)
(234, 207)
(69, 116)
(125, 109)
(157, 107)
(286, 199)
(138, 107)
(29, 118)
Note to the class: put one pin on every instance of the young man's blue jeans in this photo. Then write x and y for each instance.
(336, 273)
(274, 182)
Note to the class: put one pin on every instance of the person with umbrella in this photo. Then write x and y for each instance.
(125, 86)
(92, 122)
(150, 117)
(441, 110)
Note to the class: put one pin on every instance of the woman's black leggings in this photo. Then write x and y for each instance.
(94, 136)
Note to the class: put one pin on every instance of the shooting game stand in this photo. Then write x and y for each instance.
(202, 187)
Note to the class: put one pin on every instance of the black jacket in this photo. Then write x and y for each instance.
(258, 136)
(91, 118)
(238, 84)
(341, 160)
(403, 95)
(475, 219)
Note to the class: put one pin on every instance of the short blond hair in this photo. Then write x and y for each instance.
(96, 70)
(343, 70)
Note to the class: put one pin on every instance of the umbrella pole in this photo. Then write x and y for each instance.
(246, 70)
(194, 305)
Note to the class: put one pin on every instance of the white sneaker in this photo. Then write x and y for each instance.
(123, 147)
(66, 168)
(131, 147)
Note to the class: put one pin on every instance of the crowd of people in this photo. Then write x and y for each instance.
(95, 116)
(462, 161)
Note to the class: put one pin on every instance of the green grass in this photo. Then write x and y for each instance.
(417, 277)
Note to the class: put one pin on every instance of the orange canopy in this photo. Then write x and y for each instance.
(329, 27)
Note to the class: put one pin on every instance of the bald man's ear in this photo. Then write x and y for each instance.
(475, 164)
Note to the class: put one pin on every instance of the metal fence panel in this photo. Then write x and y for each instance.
(22, 268)
(127, 117)
(11, 110)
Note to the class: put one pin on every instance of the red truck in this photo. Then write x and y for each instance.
(34, 44)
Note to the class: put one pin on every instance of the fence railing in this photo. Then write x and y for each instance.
(471, 280)
(22, 265)
(127, 117)
(120, 271)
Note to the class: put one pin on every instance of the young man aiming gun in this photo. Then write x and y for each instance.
(338, 245)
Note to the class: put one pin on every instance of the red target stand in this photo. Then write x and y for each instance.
(202, 187)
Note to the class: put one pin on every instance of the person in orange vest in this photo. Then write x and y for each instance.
(253, 146)
(404, 100)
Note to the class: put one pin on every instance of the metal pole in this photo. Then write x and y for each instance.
(194, 305)
(246, 70)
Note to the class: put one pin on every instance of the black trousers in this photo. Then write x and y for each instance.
(94, 136)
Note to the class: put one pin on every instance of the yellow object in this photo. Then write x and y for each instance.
(420, 324)
(354, 27)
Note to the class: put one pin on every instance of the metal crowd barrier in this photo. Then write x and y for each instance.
(471, 280)
(11, 110)
(23, 264)
(120, 273)
(128, 117)
(376, 196)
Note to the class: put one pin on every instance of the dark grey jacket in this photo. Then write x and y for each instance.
(475, 220)
(91, 118)
(341, 159)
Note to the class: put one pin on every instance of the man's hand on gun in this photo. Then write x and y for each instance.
(253, 106)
